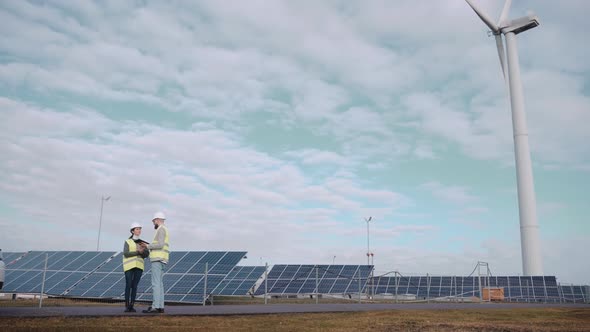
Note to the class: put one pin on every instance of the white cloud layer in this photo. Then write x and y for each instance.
(275, 127)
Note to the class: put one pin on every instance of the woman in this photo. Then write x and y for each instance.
(134, 252)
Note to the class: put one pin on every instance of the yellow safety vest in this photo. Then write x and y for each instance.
(133, 261)
(160, 254)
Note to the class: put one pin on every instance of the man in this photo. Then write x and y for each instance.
(1, 270)
(159, 255)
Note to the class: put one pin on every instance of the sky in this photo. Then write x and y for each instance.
(277, 127)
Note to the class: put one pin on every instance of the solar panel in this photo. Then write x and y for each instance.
(326, 279)
(575, 293)
(64, 269)
(240, 280)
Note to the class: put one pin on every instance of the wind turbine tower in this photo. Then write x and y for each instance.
(532, 263)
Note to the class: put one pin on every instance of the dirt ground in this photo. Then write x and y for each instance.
(561, 319)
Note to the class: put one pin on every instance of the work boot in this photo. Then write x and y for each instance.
(150, 310)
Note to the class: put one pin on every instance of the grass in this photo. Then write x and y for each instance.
(537, 319)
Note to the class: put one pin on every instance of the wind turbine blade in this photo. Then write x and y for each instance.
(501, 55)
(488, 21)
(504, 14)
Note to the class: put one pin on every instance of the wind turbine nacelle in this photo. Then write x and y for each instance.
(521, 24)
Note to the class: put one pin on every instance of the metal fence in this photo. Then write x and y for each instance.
(201, 284)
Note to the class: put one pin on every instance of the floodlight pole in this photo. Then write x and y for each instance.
(102, 200)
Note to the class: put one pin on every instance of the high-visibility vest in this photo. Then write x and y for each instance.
(160, 254)
(133, 261)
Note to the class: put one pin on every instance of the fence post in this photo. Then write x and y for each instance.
(396, 286)
(427, 288)
(317, 290)
(358, 272)
(205, 284)
(43, 282)
(266, 283)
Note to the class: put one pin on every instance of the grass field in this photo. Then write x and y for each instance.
(407, 320)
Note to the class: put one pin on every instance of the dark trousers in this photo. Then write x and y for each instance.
(132, 278)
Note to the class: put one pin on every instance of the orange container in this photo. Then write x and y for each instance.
(493, 294)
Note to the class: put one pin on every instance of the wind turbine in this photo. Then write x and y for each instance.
(529, 228)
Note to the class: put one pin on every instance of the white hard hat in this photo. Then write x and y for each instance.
(159, 215)
(135, 225)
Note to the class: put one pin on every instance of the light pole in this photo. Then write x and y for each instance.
(102, 200)
(368, 249)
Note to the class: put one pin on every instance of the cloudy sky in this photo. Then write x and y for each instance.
(276, 127)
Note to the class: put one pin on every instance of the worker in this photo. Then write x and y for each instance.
(2, 267)
(159, 257)
(134, 252)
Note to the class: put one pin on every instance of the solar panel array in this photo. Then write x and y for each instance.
(516, 288)
(240, 280)
(301, 279)
(64, 270)
(92, 274)
(184, 278)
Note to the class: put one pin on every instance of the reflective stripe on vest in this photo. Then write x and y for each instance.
(160, 254)
(133, 261)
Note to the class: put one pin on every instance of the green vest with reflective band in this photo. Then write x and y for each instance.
(133, 261)
(160, 254)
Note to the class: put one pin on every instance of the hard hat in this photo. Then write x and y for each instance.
(159, 215)
(135, 225)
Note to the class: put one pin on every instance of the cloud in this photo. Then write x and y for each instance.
(193, 174)
(156, 104)
(454, 194)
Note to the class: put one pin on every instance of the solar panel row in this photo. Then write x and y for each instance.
(99, 274)
(64, 270)
(240, 280)
(515, 287)
(325, 279)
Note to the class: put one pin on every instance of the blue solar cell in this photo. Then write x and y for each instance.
(276, 271)
(28, 281)
(551, 281)
(29, 259)
(182, 284)
(13, 280)
(52, 278)
(86, 284)
(68, 281)
(18, 280)
(446, 291)
(95, 262)
(186, 262)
